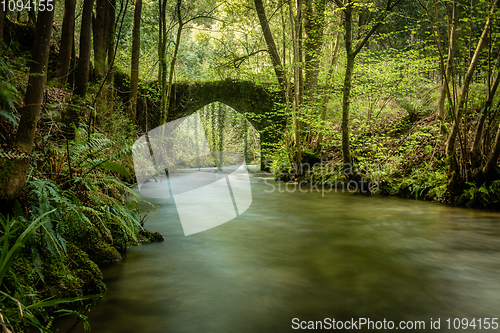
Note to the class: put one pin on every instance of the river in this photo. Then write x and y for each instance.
(313, 257)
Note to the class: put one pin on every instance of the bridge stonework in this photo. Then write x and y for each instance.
(255, 102)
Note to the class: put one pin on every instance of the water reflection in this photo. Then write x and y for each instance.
(302, 255)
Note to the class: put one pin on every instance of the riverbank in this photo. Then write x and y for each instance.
(394, 156)
(72, 217)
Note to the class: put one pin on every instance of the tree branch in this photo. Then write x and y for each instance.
(273, 51)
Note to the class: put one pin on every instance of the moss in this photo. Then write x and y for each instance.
(102, 253)
(74, 276)
(21, 278)
(7, 166)
(120, 239)
(59, 281)
(146, 236)
(86, 270)
(98, 248)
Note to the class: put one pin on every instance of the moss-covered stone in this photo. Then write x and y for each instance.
(98, 247)
(146, 236)
(120, 239)
(102, 253)
(59, 281)
(86, 270)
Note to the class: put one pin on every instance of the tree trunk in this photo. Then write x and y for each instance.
(136, 48)
(99, 29)
(453, 171)
(2, 23)
(67, 37)
(346, 91)
(111, 48)
(31, 14)
(72, 68)
(476, 159)
(180, 26)
(271, 46)
(329, 78)
(162, 30)
(489, 168)
(82, 77)
(160, 40)
(351, 52)
(300, 56)
(162, 49)
(296, 82)
(15, 171)
(314, 23)
(446, 76)
(346, 101)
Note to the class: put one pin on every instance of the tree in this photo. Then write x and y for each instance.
(2, 23)
(99, 26)
(111, 44)
(314, 24)
(446, 71)
(14, 171)
(67, 37)
(82, 77)
(168, 92)
(136, 48)
(329, 79)
(351, 53)
(181, 20)
(271, 45)
(456, 174)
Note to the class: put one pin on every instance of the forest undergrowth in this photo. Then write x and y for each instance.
(77, 211)
(401, 151)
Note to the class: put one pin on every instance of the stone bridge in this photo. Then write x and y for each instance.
(255, 102)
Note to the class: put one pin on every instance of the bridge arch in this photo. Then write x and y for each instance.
(255, 102)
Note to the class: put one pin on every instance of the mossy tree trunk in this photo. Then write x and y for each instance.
(32, 14)
(314, 24)
(111, 50)
(295, 24)
(14, 173)
(67, 38)
(99, 30)
(162, 53)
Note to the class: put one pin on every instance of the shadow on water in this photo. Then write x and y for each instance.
(309, 256)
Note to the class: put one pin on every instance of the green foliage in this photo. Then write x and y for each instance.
(482, 196)
(15, 233)
(11, 247)
(423, 183)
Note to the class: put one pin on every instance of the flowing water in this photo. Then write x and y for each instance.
(309, 256)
